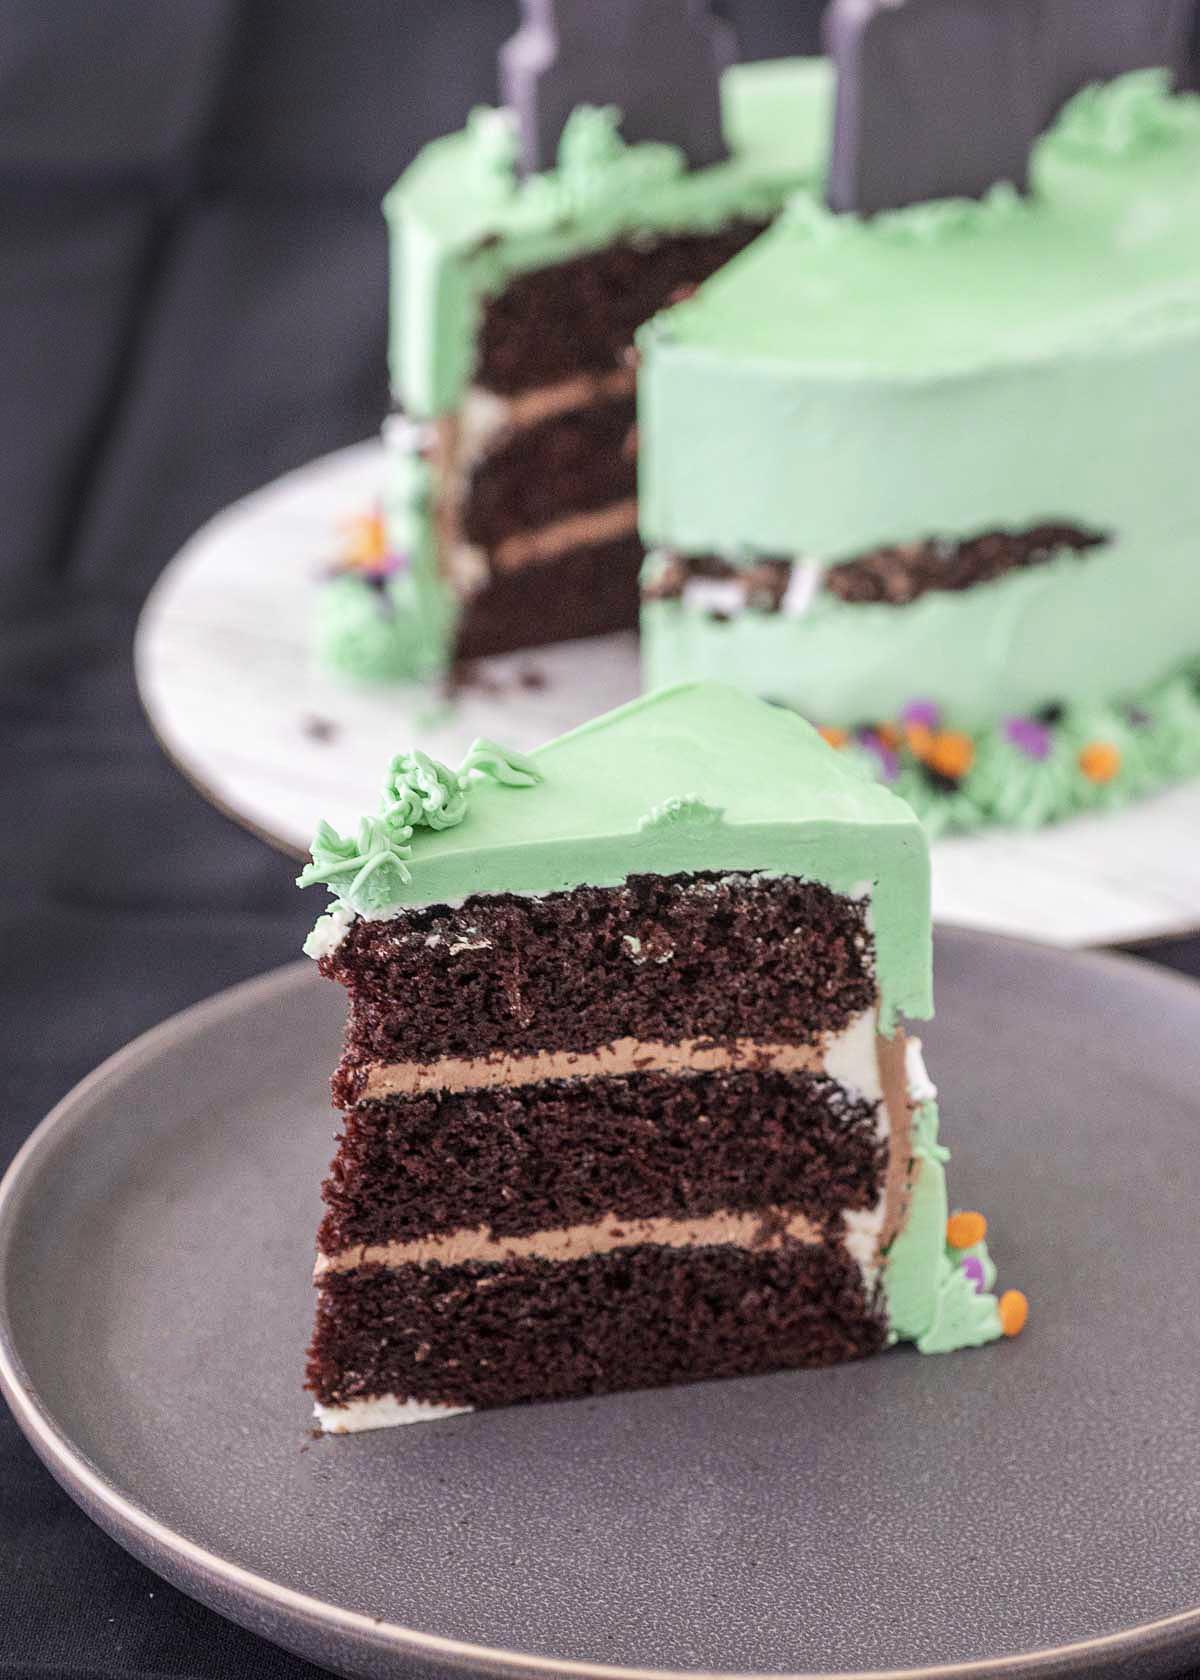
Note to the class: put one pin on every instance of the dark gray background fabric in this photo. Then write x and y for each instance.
(192, 297)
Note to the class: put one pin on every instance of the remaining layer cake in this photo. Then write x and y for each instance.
(627, 1095)
(511, 506)
(930, 478)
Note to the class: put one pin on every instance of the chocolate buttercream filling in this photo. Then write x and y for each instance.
(576, 530)
(622, 1056)
(765, 1228)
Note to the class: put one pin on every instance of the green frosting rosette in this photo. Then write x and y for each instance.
(374, 631)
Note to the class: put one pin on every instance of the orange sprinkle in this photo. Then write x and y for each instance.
(366, 540)
(919, 737)
(964, 1230)
(1014, 1310)
(951, 754)
(830, 732)
(1100, 761)
(889, 734)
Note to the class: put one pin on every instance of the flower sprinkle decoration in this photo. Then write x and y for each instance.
(367, 551)
(1100, 761)
(1029, 736)
(965, 1230)
(950, 754)
(1033, 768)
(367, 873)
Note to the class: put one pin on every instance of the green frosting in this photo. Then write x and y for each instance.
(1125, 119)
(368, 873)
(930, 1299)
(693, 778)
(393, 628)
(373, 634)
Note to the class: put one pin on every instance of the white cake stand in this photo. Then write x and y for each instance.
(226, 674)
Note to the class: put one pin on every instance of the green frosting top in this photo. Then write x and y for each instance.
(1106, 244)
(463, 221)
(693, 778)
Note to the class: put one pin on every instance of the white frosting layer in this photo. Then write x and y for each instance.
(801, 588)
(860, 1233)
(852, 1058)
(329, 931)
(920, 1087)
(719, 595)
(381, 1413)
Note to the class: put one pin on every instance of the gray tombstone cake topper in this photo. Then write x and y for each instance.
(943, 98)
(660, 61)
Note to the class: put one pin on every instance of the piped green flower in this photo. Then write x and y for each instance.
(369, 872)
(421, 793)
(591, 138)
(494, 147)
(511, 769)
(1133, 113)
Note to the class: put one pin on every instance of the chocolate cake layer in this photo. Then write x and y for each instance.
(658, 958)
(588, 592)
(490, 1335)
(532, 478)
(896, 575)
(566, 1152)
(581, 315)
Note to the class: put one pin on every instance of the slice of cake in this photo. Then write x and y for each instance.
(511, 462)
(627, 1095)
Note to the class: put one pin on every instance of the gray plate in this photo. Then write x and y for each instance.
(1032, 1507)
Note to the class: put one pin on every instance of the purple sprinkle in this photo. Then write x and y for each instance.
(1138, 716)
(926, 712)
(1028, 736)
(972, 1265)
(889, 763)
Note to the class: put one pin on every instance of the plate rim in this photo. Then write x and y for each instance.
(243, 1590)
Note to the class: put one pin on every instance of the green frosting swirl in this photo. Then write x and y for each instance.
(371, 635)
(926, 224)
(594, 167)
(421, 793)
(367, 872)
(1124, 118)
(1009, 787)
